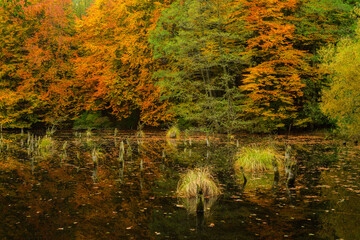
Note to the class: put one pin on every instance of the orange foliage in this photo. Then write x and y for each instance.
(274, 81)
(35, 73)
(115, 65)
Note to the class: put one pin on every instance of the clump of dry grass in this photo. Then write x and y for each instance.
(255, 159)
(46, 146)
(193, 180)
(173, 132)
(140, 134)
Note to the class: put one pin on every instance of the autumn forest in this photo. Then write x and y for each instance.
(214, 65)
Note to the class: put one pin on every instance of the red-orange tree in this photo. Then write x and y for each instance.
(115, 65)
(273, 81)
(35, 71)
(14, 107)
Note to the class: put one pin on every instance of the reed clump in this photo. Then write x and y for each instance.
(195, 180)
(255, 159)
(46, 145)
(140, 134)
(173, 132)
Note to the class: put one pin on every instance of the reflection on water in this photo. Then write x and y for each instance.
(106, 185)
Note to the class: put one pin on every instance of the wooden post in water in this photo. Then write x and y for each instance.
(1, 143)
(200, 209)
(121, 158)
(121, 151)
(287, 159)
(276, 172)
(290, 167)
(94, 156)
(129, 149)
(32, 166)
(244, 177)
(94, 174)
(121, 173)
(115, 136)
(122, 147)
(199, 201)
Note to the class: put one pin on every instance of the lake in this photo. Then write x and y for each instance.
(117, 185)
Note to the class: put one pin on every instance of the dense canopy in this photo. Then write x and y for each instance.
(216, 65)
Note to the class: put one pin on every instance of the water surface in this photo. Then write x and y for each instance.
(82, 186)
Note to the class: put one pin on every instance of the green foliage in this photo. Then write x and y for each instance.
(341, 100)
(323, 21)
(320, 22)
(255, 159)
(220, 65)
(92, 120)
(202, 62)
(194, 180)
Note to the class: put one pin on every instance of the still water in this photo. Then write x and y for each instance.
(116, 185)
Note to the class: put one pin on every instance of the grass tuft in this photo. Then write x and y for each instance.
(173, 132)
(140, 134)
(46, 146)
(255, 159)
(197, 178)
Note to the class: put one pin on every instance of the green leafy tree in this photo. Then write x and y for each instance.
(341, 100)
(199, 48)
(320, 22)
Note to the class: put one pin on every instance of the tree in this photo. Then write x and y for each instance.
(273, 82)
(15, 108)
(201, 58)
(341, 100)
(35, 70)
(81, 6)
(320, 22)
(115, 63)
(47, 71)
